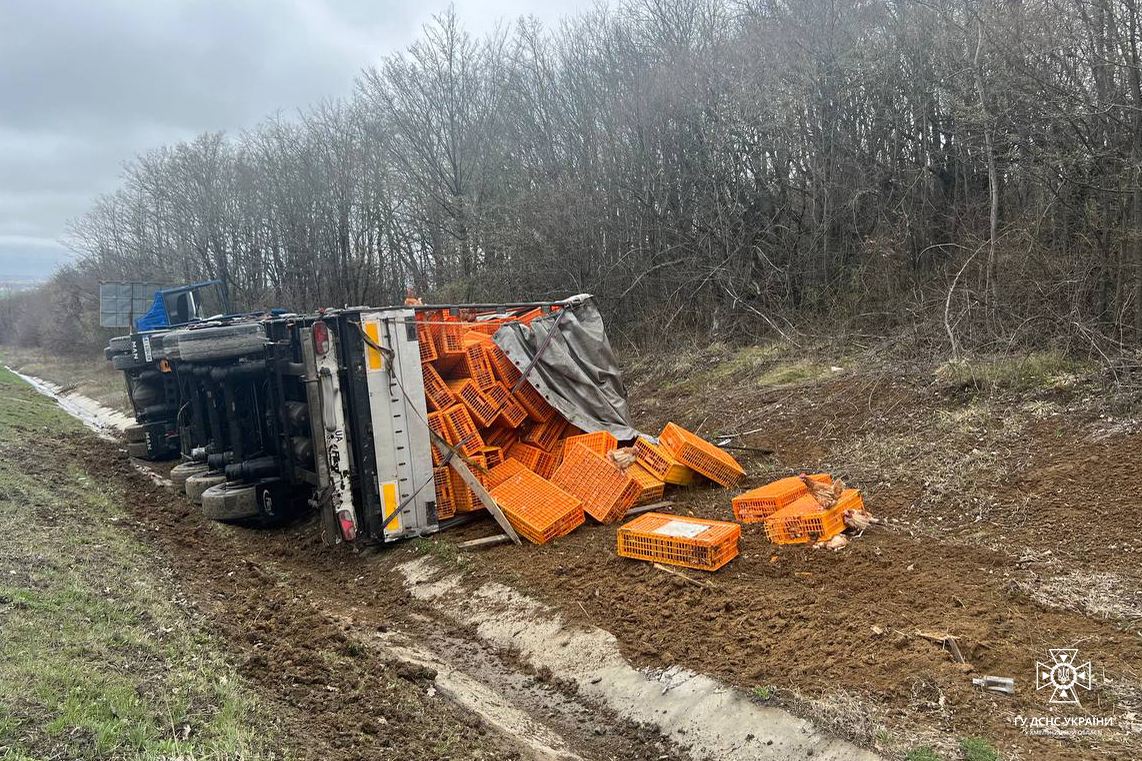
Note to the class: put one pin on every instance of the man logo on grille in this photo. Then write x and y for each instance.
(1063, 676)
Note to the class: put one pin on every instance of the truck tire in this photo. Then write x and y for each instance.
(146, 393)
(197, 484)
(135, 434)
(126, 362)
(230, 502)
(118, 345)
(139, 449)
(215, 343)
(184, 470)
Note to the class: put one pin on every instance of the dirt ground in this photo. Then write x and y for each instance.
(1011, 506)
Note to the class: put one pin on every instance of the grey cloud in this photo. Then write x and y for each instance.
(86, 85)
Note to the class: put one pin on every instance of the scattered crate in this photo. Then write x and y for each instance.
(545, 435)
(527, 454)
(538, 509)
(650, 488)
(463, 430)
(504, 368)
(511, 414)
(605, 491)
(533, 402)
(690, 542)
(436, 390)
(492, 455)
(787, 525)
(599, 442)
(660, 464)
(701, 456)
(548, 463)
(440, 428)
(463, 497)
(501, 437)
(424, 337)
(451, 339)
(445, 505)
(478, 367)
(483, 409)
(758, 504)
(503, 472)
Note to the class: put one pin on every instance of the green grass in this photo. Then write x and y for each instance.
(763, 692)
(1042, 370)
(923, 753)
(95, 660)
(978, 749)
(89, 375)
(789, 373)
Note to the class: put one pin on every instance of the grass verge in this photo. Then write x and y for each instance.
(98, 658)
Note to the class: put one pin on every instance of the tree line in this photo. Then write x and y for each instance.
(969, 169)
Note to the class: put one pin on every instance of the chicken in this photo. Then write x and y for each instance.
(840, 541)
(859, 520)
(825, 494)
(622, 458)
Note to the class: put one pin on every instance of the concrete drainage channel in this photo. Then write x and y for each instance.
(696, 715)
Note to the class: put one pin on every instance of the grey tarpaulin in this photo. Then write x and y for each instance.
(577, 372)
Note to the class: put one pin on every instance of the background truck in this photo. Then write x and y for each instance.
(269, 415)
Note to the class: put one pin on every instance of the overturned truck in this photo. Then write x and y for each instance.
(356, 413)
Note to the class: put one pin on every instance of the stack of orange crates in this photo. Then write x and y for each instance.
(468, 381)
(691, 542)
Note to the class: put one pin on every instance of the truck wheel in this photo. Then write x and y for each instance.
(118, 345)
(230, 502)
(197, 484)
(126, 362)
(215, 343)
(135, 434)
(184, 470)
(139, 449)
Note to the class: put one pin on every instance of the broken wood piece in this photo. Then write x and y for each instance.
(663, 505)
(948, 641)
(487, 541)
(683, 576)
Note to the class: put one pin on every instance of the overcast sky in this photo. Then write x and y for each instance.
(86, 85)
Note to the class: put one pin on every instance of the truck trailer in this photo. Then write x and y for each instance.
(338, 411)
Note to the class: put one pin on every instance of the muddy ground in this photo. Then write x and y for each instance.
(1012, 511)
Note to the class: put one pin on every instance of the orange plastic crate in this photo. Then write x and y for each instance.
(545, 435)
(690, 542)
(804, 521)
(505, 370)
(426, 342)
(462, 430)
(538, 509)
(701, 456)
(440, 428)
(599, 442)
(451, 339)
(435, 390)
(478, 367)
(503, 472)
(483, 409)
(548, 463)
(531, 400)
(445, 506)
(463, 497)
(511, 414)
(758, 504)
(500, 437)
(650, 487)
(661, 465)
(605, 491)
(475, 336)
(492, 455)
(528, 454)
